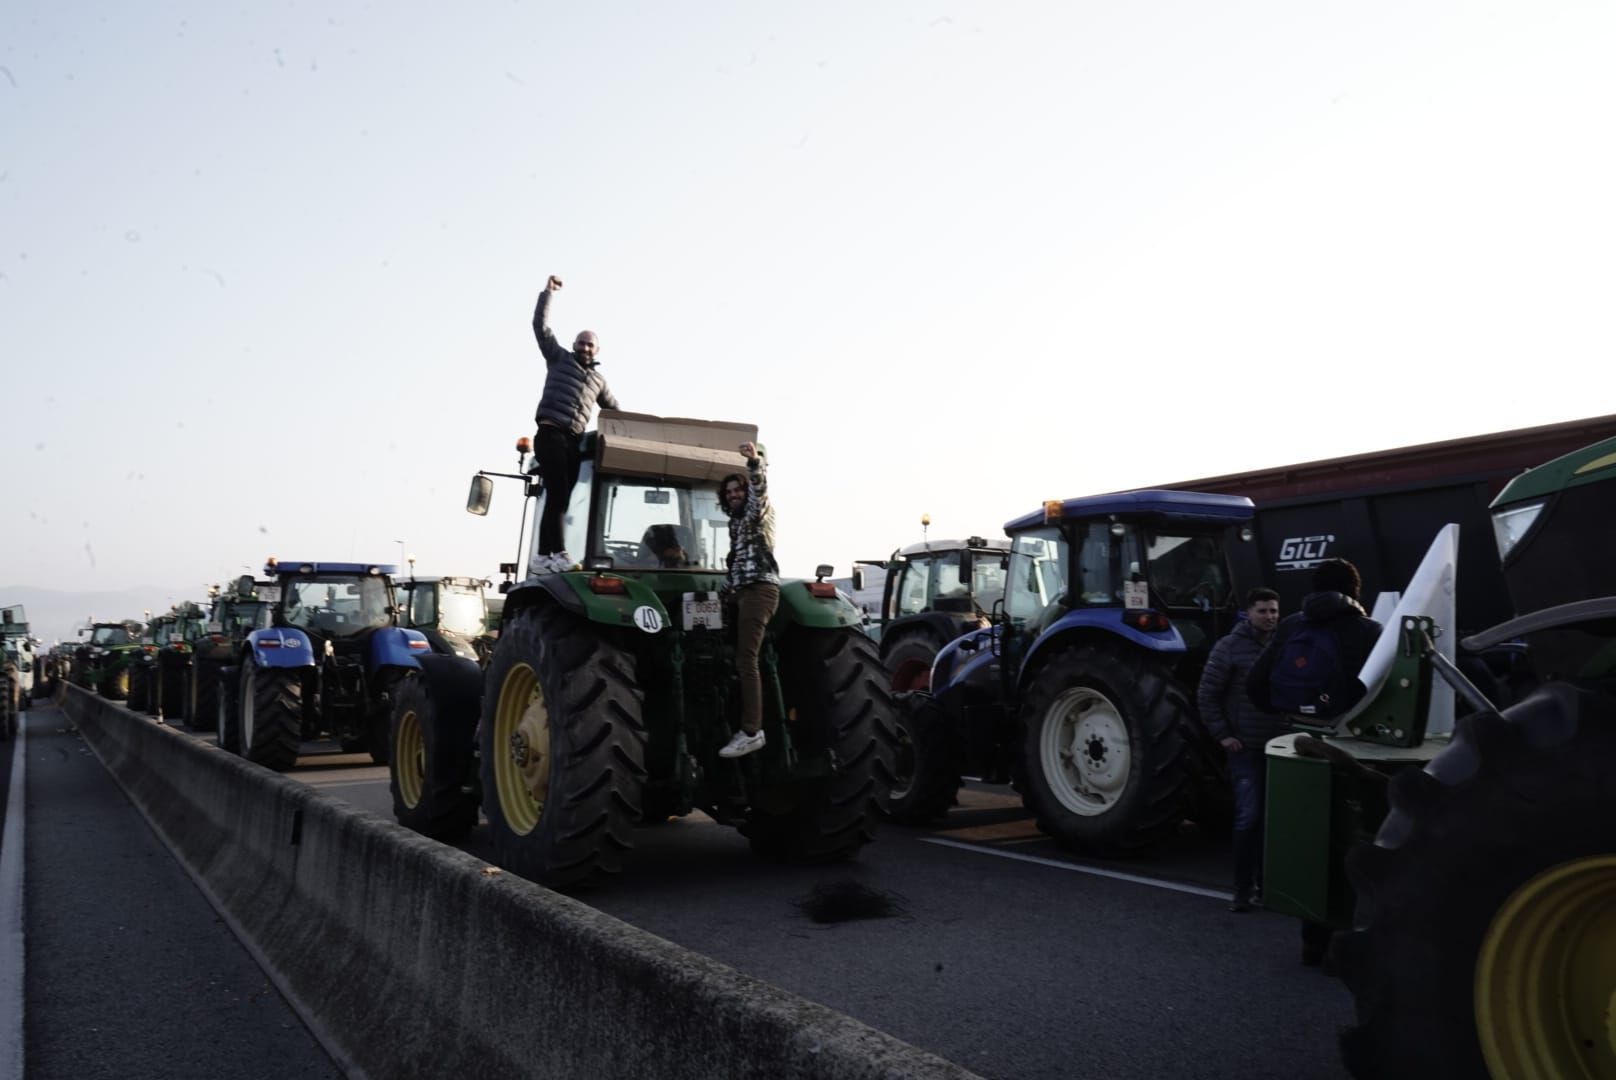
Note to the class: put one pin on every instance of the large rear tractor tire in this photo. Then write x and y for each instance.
(140, 692)
(926, 768)
(1486, 907)
(378, 740)
(203, 696)
(115, 687)
(172, 682)
(8, 709)
(271, 715)
(227, 709)
(834, 682)
(1102, 761)
(908, 661)
(433, 744)
(562, 748)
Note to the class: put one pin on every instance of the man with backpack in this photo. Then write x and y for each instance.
(1309, 672)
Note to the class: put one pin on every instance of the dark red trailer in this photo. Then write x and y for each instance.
(1382, 509)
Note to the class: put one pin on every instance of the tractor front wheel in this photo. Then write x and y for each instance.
(926, 768)
(1102, 754)
(140, 692)
(271, 714)
(908, 660)
(836, 691)
(1486, 907)
(562, 748)
(431, 758)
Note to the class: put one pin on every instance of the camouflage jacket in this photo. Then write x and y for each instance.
(751, 534)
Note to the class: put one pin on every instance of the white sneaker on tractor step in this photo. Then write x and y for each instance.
(742, 744)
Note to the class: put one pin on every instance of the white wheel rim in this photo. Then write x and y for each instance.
(1085, 751)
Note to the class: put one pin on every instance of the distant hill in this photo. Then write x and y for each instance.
(54, 615)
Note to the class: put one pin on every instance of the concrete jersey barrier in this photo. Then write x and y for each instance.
(409, 958)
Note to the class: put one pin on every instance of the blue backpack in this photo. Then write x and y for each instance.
(1308, 671)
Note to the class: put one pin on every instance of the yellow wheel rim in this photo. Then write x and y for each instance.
(409, 759)
(1546, 976)
(521, 749)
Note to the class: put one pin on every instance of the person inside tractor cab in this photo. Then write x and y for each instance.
(665, 545)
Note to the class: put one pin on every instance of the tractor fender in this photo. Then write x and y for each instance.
(1105, 622)
(940, 625)
(574, 594)
(393, 646)
(964, 660)
(280, 647)
(800, 607)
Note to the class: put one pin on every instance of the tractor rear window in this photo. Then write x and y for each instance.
(651, 525)
(336, 606)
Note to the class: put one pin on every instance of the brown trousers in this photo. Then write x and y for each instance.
(754, 607)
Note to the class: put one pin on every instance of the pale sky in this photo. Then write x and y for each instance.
(268, 269)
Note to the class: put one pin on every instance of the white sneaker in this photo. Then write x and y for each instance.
(742, 744)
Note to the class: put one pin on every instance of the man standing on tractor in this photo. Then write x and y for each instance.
(1242, 730)
(572, 387)
(754, 584)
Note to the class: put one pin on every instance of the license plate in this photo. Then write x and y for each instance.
(703, 610)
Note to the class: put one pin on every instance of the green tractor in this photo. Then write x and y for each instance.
(1473, 872)
(233, 613)
(451, 611)
(176, 657)
(612, 687)
(103, 662)
(144, 688)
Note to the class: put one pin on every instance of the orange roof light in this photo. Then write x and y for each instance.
(524, 445)
(1052, 510)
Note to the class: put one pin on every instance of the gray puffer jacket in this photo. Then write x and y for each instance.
(1225, 709)
(571, 387)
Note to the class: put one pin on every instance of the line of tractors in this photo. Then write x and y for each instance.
(1470, 860)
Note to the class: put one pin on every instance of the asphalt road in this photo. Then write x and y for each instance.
(129, 973)
(1005, 954)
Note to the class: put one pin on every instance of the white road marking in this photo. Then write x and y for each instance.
(1171, 886)
(11, 939)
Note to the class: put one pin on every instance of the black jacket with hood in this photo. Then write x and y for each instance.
(1356, 634)
(571, 387)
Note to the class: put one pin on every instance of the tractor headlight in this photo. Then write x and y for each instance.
(1509, 526)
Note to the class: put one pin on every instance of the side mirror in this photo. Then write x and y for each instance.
(244, 585)
(481, 496)
(858, 578)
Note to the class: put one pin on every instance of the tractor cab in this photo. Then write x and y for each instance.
(451, 611)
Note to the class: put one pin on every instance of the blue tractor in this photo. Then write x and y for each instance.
(1082, 691)
(326, 666)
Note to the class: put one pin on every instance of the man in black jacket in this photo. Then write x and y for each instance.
(1333, 605)
(572, 388)
(1242, 730)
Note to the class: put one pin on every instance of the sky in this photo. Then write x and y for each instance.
(268, 270)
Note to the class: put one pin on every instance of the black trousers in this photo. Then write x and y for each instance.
(559, 460)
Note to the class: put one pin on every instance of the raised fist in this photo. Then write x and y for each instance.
(553, 284)
(748, 451)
